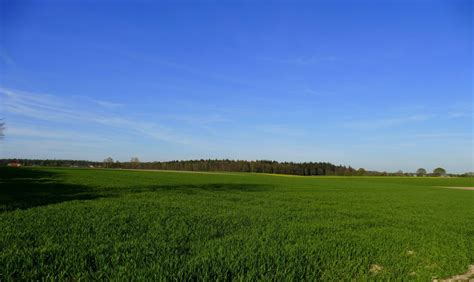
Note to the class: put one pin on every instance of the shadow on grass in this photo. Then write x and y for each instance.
(22, 188)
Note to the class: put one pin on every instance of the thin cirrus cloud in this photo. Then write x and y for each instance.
(143, 57)
(153, 59)
(281, 130)
(302, 61)
(21, 130)
(108, 104)
(52, 109)
(6, 58)
(459, 114)
(388, 122)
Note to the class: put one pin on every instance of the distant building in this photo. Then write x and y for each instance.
(16, 164)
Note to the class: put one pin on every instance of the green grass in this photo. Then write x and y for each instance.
(112, 224)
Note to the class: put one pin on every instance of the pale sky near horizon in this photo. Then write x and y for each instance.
(384, 85)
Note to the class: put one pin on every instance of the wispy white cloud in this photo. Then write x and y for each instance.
(108, 104)
(388, 122)
(6, 58)
(460, 114)
(157, 60)
(311, 91)
(302, 61)
(20, 131)
(280, 129)
(62, 111)
(447, 136)
(197, 119)
(383, 139)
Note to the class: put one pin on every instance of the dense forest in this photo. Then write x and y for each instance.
(259, 166)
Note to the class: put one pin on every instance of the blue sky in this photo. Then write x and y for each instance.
(383, 85)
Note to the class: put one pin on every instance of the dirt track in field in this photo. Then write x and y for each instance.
(461, 188)
(468, 276)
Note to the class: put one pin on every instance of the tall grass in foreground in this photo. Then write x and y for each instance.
(106, 224)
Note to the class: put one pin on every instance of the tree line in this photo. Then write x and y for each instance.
(226, 165)
(259, 166)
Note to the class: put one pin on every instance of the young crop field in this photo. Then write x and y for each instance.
(118, 224)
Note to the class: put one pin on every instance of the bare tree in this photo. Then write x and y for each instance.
(135, 162)
(108, 162)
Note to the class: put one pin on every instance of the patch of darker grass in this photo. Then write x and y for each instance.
(23, 188)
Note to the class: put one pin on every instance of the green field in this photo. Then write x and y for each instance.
(116, 224)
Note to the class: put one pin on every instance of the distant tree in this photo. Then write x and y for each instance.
(135, 162)
(361, 172)
(467, 174)
(2, 128)
(399, 173)
(421, 172)
(108, 162)
(439, 171)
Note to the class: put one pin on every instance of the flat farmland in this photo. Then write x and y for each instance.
(118, 224)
